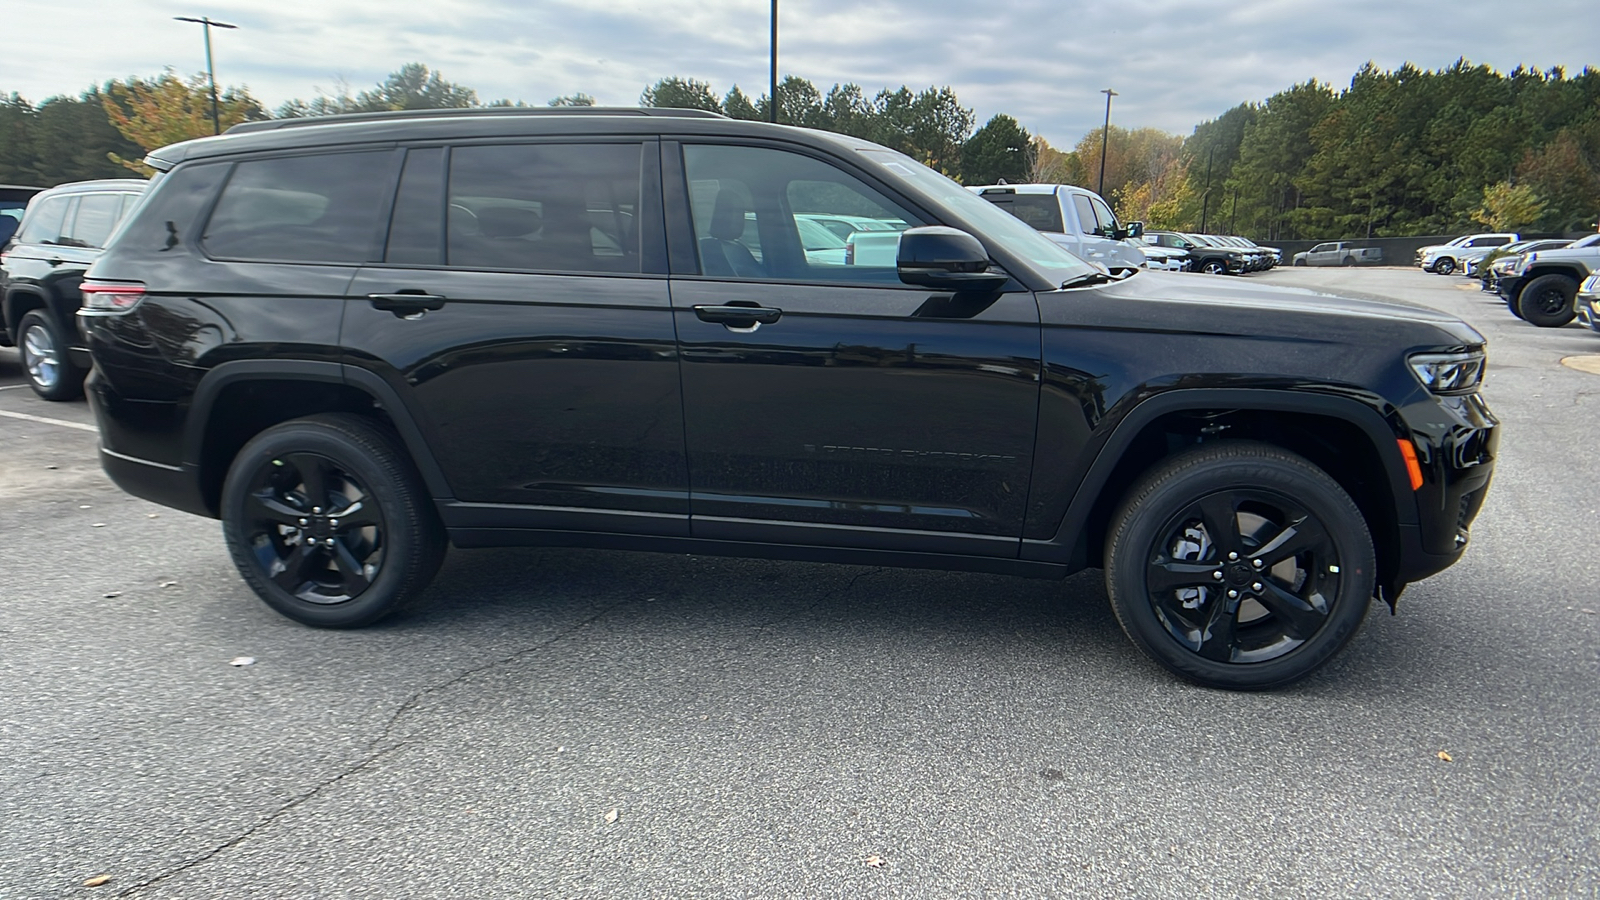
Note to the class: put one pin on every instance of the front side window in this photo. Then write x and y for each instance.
(1322, 248)
(314, 209)
(761, 213)
(44, 226)
(545, 207)
(97, 215)
(1103, 214)
(1086, 220)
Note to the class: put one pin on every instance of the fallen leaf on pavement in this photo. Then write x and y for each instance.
(874, 862)
(109, 594)
(1445, 756)
(611, 817)
(98, 525)
(97, 881)
(242, 661)
(169, 584)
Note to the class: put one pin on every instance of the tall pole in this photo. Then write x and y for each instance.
(1105, 137)
(772, 104)
(1205, 195)
(206, 24)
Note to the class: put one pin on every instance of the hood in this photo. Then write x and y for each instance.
(1232, 305)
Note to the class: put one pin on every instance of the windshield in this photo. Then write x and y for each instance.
(1052, 261)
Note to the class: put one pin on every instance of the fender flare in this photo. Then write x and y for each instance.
(1095, 482)
(369, 383)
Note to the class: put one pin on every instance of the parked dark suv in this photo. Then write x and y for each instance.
(356, 339)
(40, 268)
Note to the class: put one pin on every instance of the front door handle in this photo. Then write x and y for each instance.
(737, 316)
(407, 303)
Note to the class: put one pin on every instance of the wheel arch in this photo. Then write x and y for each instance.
(237, 400)
(1348, 439)
(19, 301)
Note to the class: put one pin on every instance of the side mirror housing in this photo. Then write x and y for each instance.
(945, 259)
(1135, 229)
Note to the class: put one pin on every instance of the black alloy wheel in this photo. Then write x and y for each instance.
(1239, 565)
(43, 352)
(327, 522)
(1547, 301)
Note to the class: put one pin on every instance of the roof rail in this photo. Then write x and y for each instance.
(394, 114)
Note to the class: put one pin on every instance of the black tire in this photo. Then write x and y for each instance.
(1348, 261)
(341, 483)
(1214, 267)
(1443, 266)
(1286, 618)
(1299, 262)
(1547, 301)
(43, 349)
(1512, 306)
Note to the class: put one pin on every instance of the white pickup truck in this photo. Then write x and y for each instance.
(1339, 253)
(1446, 258)
(1077, 219)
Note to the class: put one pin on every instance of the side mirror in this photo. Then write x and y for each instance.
(1135, 229)
(945, 259)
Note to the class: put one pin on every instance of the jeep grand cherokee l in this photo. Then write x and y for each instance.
(358, 339)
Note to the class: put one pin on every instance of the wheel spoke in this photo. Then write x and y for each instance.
(1220, 635)
(292, 576)
(313, 472)
(357, 514)
(1168, 575)
(355, 577)
(1222, 523)
(266, 506)
(1304, 534)
(1300, 619)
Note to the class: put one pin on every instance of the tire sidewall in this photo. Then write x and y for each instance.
(1167, 491)
(385, 593)
(1527, 301)
(69, 379)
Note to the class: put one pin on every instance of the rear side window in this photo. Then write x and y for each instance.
(97, 215)
(44, 225)
(544, 207)
(315, 209)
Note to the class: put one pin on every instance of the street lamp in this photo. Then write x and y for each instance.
(211, 73)
(772, 107)
(1105, 135)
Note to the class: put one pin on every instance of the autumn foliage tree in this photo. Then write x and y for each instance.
(167, 109)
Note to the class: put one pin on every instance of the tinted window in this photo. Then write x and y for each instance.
(1042, 211)
(416, 229)
(1108, 222)
(97, 215)
(44, 226)
(547, 207)
(1322, 248)
(301, 209)
(755, 214)
(1086, 220)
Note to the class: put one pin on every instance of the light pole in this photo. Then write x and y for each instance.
(1105, 136)
(772, 107)
(211, 73)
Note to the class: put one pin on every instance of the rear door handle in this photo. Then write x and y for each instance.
(739, 316)
(406, 303)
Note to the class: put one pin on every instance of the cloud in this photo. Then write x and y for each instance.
(1174, 63)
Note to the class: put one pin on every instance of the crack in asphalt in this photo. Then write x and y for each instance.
(407, 706)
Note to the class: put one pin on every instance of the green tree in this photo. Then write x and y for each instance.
(998, 150)
(1508, 207)
(156, 112)
(578, 99)
(680, 93)
(738, 105)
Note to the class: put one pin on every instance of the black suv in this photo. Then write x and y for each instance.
(360, 338)
(40, 268)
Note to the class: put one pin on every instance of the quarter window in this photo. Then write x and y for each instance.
(317, 209)
(545, 207)
(763, 213)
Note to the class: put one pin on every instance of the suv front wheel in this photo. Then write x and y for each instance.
(328, 523)
(1239, 565)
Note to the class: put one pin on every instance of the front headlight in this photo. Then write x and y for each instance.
(1449, 373)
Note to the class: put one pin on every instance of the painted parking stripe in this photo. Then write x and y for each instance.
(49, 421)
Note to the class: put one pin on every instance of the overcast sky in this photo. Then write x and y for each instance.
(1174, 63)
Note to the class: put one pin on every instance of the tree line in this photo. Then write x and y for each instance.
(1401, 152)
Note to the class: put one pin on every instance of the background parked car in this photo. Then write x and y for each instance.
(41, 267)
(1204, 254)
(1541, 287)
(1339, 253)
(1501, 259)
(1443, 259)
(1077, 219)
(13, 200)
(1588, 303)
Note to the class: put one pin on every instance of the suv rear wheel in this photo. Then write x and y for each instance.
(1239, 565)
(328, 523)
(44, 357)
(1547, 301)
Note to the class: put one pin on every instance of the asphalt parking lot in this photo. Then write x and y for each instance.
(577, 723)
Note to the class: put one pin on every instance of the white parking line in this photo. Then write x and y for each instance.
(48, 421)
(11, 387)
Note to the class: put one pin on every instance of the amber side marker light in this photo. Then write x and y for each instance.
(1413, 468)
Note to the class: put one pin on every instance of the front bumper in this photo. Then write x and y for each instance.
(1457, 440)
(1588, 307)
